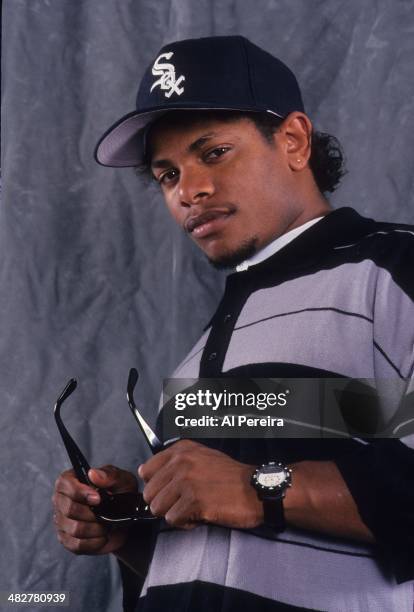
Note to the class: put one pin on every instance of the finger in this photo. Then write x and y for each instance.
(67, 484)
(165, 499)
(179, 449)
(182, 514)
(78, 546)
(82, 530)
(147, 470)
(158, 482)
(72, 509)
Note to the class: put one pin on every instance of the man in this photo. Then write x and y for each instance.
(318, 293)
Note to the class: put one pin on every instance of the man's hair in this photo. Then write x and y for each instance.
(326, 160)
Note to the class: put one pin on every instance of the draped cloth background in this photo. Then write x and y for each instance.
(94, 275)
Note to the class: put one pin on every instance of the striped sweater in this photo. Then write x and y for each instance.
(336, 301)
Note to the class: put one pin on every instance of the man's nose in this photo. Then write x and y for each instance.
(195, 185)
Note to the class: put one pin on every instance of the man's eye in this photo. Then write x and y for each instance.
(217, 152)
(167, 177)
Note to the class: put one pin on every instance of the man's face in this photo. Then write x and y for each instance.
(228, 188)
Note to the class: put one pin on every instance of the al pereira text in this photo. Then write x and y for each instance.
(229, 420)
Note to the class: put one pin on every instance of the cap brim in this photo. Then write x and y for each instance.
(123, 144)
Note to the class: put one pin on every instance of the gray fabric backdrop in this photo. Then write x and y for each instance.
(94, 275)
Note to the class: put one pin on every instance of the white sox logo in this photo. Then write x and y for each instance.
(166, 72)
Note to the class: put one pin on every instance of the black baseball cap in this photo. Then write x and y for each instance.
(220, 72)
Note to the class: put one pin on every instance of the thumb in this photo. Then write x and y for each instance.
(111, 477)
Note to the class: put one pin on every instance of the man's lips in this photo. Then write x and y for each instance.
(208, 222)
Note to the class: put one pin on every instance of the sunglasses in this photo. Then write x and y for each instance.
(116, 507)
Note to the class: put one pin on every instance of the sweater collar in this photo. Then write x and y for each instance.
(338, 228)
(276, 245)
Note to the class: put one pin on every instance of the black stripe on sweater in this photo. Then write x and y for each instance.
(201, 596)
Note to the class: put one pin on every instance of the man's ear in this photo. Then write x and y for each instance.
(295, 134)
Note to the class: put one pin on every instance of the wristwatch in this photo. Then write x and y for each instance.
(271, 481)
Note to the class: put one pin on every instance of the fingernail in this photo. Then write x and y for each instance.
(100, 473)
(92, 498)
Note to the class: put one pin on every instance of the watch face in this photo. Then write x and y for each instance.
(271, 476)
(271, 479)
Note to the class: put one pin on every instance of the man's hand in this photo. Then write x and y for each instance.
(190, 483)
(77, 526)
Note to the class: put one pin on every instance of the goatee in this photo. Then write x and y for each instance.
(233, 258)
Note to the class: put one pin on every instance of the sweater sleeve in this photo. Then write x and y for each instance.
(380, 473)
(380, 477)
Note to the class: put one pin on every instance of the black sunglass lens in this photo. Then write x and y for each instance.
(123, 506)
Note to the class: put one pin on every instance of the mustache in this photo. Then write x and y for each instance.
(210, 214)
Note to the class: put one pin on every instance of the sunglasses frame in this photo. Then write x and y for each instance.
(114, 507)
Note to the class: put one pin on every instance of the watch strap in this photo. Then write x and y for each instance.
(273, 514)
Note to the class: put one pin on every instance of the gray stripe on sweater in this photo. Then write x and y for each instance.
(334, 583)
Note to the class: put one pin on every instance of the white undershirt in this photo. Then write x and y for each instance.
(276, 245)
